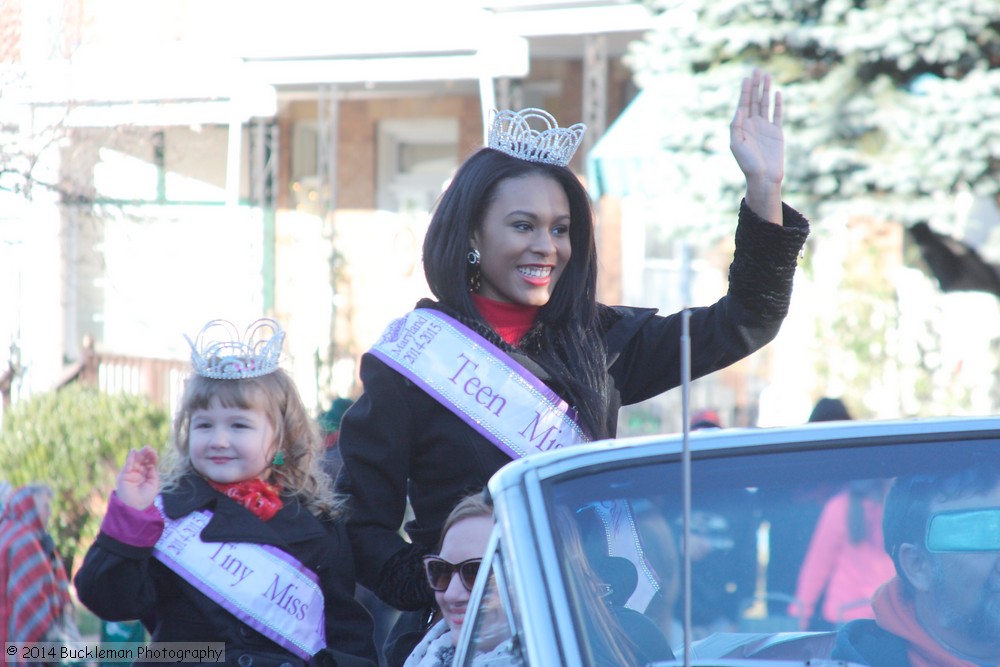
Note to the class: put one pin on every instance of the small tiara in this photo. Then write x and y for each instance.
(220, 353)
(511, 133)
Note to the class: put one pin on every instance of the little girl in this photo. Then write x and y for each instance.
(243, 542)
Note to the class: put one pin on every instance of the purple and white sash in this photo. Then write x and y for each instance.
(505, 403)
(473, 378)
(259, 584)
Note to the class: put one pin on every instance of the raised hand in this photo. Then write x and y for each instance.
(138, 481)
(758, 144)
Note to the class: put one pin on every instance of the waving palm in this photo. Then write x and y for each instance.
(758, 144)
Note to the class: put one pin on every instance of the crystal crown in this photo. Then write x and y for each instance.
(511, 133)
(219, 352)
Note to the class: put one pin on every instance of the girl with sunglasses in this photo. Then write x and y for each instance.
(451, 574)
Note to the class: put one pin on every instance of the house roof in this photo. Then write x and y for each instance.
(310, 43)
(232, 58)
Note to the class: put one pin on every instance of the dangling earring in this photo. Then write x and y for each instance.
(279, 459)
(473, 273)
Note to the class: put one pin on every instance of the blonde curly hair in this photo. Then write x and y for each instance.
(296, 435)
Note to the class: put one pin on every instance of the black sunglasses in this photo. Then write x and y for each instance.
(439, 572)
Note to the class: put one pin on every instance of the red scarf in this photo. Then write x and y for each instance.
(510, 320)
(261, 498)
(895, 614)
(34, 589)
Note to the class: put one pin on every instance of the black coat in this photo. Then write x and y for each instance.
(398, 441)
(119, 582)
(865, 643)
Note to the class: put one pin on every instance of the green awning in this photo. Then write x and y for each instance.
(628, 156)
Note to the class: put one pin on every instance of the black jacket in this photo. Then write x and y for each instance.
(118, 582)
(864, 642)
(398, 441)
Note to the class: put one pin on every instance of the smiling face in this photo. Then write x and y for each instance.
(467, 538)
(523, 241)
(230, 444)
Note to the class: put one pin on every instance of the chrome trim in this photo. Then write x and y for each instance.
(726, 442)
(476, 595)
(542, 600)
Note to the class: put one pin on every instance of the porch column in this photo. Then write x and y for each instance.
(233, 159)
(595, 89)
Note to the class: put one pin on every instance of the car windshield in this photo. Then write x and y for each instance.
(780, 541)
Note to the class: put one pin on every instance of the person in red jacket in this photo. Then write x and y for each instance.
(34, 590)
(846, 561)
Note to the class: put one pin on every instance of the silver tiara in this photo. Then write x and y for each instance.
(511, 133)
(219, 352)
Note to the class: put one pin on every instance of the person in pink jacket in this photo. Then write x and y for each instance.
(846, 561)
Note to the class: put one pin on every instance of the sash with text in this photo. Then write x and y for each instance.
(505, 403)
(261, 585)
(487, 389)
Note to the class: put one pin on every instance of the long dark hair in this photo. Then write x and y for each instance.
(563, 342)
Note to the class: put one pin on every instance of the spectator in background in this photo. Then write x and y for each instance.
(329, 424)
(792, 519)
(723, 550)
(5, 490)
(829, 410)
(329, 421)
(34, 589)
(706, 418)
(846, 561)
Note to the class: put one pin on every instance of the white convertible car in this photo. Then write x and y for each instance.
(586, 566)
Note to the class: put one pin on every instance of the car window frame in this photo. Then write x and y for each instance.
(493, 562)
(476, 596)
(519, 491)
(525, 599)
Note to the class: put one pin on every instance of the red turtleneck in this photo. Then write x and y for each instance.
(510, 320)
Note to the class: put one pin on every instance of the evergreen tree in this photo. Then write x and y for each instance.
(892, 115)
(898, 100)
(75, 441)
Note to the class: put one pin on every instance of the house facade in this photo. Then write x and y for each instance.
(229, 159)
